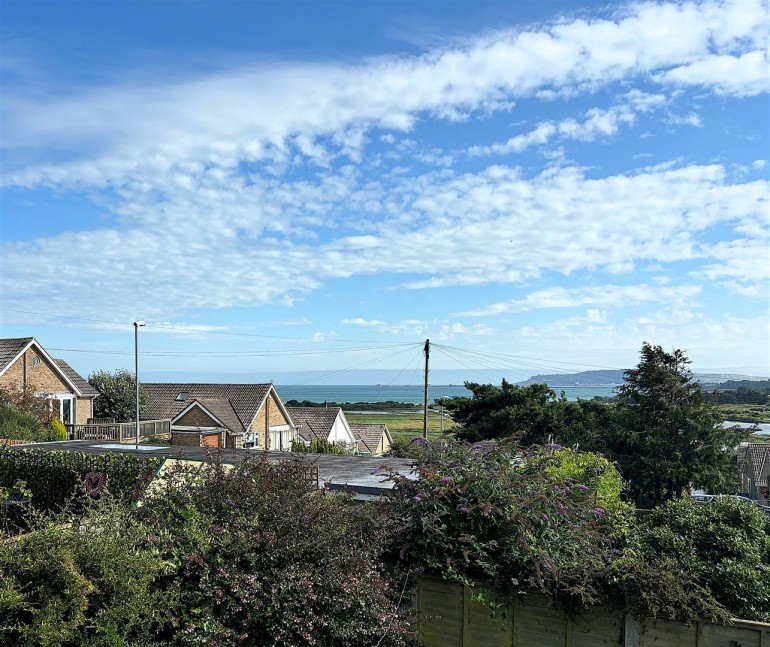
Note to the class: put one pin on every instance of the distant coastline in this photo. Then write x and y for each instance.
(408, 394)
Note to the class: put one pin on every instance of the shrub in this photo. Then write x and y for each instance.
(686, 560)
(18, 425)
(81, 580)
(585, 470)
(25, 400)
(56, 430)
(322, 446)
(498, 519)
(261, 557)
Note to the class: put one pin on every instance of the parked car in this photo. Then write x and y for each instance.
(703, 498)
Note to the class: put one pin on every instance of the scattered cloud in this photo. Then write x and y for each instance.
(604, 295)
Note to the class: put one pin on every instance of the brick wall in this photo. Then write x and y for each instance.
(186, 438)
(196, 417)
(85, 410)
(42, 377)
(275, 418)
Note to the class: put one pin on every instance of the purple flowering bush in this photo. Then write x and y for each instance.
(498, 518)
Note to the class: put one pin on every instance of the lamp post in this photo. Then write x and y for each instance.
(137, 325)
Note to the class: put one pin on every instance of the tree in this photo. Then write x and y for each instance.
(669, 435)
(504, 411)
(117, 395)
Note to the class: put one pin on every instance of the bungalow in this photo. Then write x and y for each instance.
(754, 465)
(222, 415)
(322, 423)
(372, 439)
(25, 364)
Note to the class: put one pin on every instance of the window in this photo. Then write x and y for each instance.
(182, 396)
(35, 360)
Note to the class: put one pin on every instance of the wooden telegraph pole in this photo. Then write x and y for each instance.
(425, 399)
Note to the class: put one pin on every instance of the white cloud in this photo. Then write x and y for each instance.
(266, 110)
(604, 295)
(703, 338)
(257, 242)
(742, 75)
(360, 321)
(594, 123)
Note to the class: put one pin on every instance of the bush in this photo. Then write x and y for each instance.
(56, 430)
(261, 557)
(585, 469)
(82, 580)
(686, 560)
(18, 425)
(499, 519)
(322, 446)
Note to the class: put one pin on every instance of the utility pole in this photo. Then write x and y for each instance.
(425, 399)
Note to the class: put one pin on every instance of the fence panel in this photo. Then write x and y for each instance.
(661, 633)
(537, 624)
(449, 617)
(599, 627)
(442, 603)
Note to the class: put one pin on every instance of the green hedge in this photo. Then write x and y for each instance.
(54, 476)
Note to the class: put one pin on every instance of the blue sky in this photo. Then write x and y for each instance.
(320, 185)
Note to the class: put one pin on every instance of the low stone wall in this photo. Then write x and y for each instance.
(449, 617)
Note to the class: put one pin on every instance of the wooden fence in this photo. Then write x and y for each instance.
(449, 617)
(118, 431)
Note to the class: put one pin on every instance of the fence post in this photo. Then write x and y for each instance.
(466, 640)
(632, 631)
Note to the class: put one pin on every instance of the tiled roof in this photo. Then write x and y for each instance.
(368, 436)
(10, 348)
(244, 400)
(315, 422)
(84, 387)
(223, 410)
(757, 454)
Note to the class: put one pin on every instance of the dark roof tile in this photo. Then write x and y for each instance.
(10, 348)
(83, 386)
(315, 422)
(368, 436)
(244, 400)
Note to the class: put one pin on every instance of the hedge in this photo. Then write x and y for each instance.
(54, 476)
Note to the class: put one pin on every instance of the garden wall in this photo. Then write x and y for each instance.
(449, 617)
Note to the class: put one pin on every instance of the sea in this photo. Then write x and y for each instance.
(407, 394)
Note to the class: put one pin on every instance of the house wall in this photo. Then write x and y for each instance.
(42, 377)
(384, 446)
(196, 417)
(186, 438)
(197, 439)
(270, 409)
(84, 410)
(340, 432)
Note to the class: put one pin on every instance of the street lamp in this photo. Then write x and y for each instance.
(137, 325)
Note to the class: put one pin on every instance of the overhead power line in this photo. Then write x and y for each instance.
(233, 354)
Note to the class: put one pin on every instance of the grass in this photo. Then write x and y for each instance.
(746, 412)
(403, 426)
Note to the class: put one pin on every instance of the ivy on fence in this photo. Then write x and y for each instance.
(54, 476)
